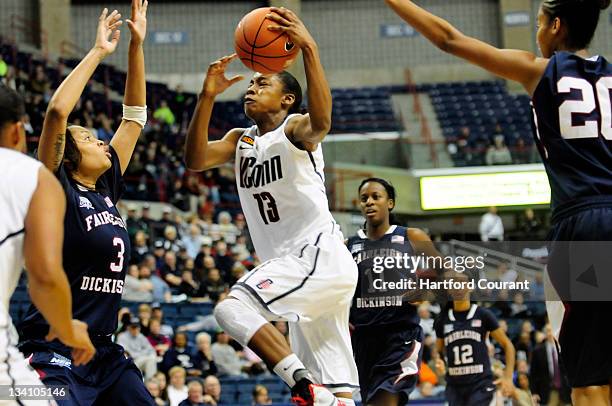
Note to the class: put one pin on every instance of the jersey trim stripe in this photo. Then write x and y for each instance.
(7, 360)
(252, 292)
(11, 235)
(338, 385)
(314, 267)
(314, 165)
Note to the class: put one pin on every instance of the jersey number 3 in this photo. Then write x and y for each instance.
(267, 207)
(118, 267)
(585, 106)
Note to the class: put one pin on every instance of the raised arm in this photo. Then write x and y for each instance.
(53, 137)
(199, 153)
(521, 66)
(48, 285)
(135, 98)
(311, 128)
(506, 381)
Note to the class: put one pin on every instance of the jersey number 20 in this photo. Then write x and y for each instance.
(585, 106)
(267, 207)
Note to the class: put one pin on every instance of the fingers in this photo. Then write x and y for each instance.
(112, 18)
(278, 19)
(103, 15)
(236, 79)
(277, 28)
(116, 36)
(81, 356)
(135, 6)
(51, 336)
(115, 25)
(284, 12)
(144, 8)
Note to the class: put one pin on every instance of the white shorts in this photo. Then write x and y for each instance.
(312, 289)
(15, 369)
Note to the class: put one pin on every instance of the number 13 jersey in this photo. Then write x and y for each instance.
(282, 191)
(96, 253)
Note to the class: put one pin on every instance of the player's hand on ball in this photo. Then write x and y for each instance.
(108, 33)
(137, 23)
(216, 82)
(289, 23)
(78, 339)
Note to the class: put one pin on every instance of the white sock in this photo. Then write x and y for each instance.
(287, 367)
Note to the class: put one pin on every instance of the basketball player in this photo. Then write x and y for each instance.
(308, 276)
(387, 337)
(462, 333)
(32, 209)
(570, 94)
(96, 242)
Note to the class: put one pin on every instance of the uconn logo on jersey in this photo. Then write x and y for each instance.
(253, 174)
(99, 219)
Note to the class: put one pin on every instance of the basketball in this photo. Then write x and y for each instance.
(260, 49)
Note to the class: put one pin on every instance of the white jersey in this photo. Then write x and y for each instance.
(18, 180)
(282, 191)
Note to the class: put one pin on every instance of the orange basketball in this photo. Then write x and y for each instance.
(260, 49)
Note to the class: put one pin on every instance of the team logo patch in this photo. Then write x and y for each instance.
(108, 201)
(476, 323)
(84, 202)
(399, 239)
(356, 248)
(60, 360)
(247, 140)
(448, 328)
(265, 284)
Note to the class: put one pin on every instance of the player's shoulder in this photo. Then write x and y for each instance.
(234, 135)
(9, 157)
(482, 312)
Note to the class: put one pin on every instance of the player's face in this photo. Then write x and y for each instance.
(95, 156)
(265, 96)
(546, 35)
(375, 203)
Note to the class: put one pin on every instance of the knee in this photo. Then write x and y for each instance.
(589, 395)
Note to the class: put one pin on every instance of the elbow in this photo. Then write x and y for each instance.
(55, 110)
(321, 126)
(447, 42)
(192, 165)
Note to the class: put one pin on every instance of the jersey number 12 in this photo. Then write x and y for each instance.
(585, 106)
(267, 207)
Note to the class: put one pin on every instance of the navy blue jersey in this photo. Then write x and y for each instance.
(372, 304)
(96, 252)
(573, 130)
(464, 335)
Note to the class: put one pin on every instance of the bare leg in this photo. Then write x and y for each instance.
(270, 345)
(591, 396)
(384, 398)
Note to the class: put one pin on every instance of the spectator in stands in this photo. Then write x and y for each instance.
(177, 391)
(223, 258)
(203, 358)
(153, 387)
(123, 316)
(163, 114)
(139, 247)
(498, 153)
(204, 262)
(195, 394)
(238, 271)
(138, 347)
(144, 314)
(170, 240)
(521, 395)
(163, 385)
(189, 286)
(547, 382)
(40, 83)
(491, 226)
(158, 313)
(505, 273)
(145, 221)
(170, 271)
(179, 354)
(522, 153)
(3, 70)
(104, 128)
(225, 356)
(212, 388)
(537, 288)
(193, 242)
(159, 253)
(160, 342)
(518, 306)
(161, 290)
(426, 321)
(228, 231)
(214, 285)
(260, 396)
(136, 289)
(530, 226)
(165, 220)
(131, 222)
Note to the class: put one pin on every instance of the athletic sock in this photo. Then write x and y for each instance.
(287, 367)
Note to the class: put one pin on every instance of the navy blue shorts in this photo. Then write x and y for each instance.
(388, 359)
(110, 378)
(480, 394)
(579, 259)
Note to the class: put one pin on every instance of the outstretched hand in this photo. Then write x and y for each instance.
(137, 23)
(216, 82)
(108, 33)
(289, 23)
(82, 348)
